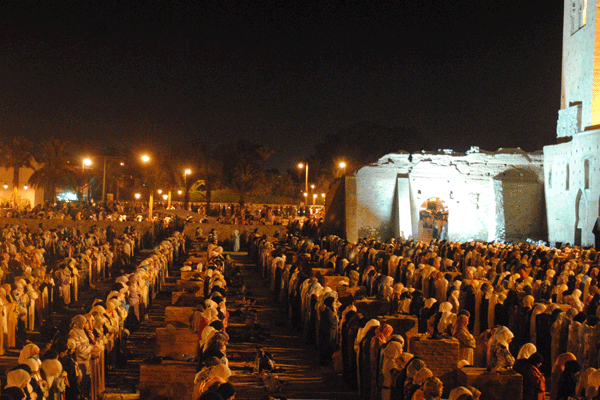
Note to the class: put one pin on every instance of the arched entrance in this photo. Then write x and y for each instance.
(433, 219)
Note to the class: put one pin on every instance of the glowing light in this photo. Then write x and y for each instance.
(188, 171)
(87, 162)
(137, 196)
(323, 195)
(305, 194)
(122, 164)
(145, 158)
(165, 196)
(314, 196)
(312, 186)
(300, 165)
(5, 186)
(25, 187)
(342, 165)
(179, 192)
(159, 191)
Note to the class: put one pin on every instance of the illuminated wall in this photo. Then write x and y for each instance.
(476, 186)
(572, 194)
(29, 195)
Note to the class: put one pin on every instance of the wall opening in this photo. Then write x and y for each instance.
(567, 178)
(586, 169)
(433, 219)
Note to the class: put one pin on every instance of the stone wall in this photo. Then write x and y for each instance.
(572, 205)
(392, 191)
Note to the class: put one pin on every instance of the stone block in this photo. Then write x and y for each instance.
(441, 357)
(372, 308)
(493, 386)
(405, 325)
(346, 294)
(333, 281)
(183, 284)
(176, 343)
(179, 314)
(172, 379)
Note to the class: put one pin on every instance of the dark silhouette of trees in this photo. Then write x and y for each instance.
(55, 167)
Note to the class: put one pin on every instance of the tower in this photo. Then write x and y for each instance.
(571, 167)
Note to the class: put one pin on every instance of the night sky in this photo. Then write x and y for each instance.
(281, 73)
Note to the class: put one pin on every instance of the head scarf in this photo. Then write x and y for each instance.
(28, 351)
(458, 391)
(526, 351)
(461, 323)
(363, 331)
(422, 376)
(17, 378)
(503, 335)
(415, 366)
(78, 321)
(528, 301)
(384, 332)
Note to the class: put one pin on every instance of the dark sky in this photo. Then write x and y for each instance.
(282, 73)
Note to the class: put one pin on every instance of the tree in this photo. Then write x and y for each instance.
(55, 167)
(16, 153)
(242, 167)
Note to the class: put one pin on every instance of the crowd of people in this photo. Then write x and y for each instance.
(46, 269)
(512, 307)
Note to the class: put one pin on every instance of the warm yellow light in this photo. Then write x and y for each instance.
(5, 186)
(187, 171)
(25, 187)
(342, 165)
(179, 192)
(322, 194)
(165, 196)
(300, 165)
(87, 162)
(137, 196)
(312, 186)
(145, 158)
(159, 191)
(315, 196)
(305, 194)
(122, 164)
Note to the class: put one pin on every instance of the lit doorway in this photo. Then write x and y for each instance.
(433, 220)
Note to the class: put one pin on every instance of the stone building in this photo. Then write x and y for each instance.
(26, 193)
(571, 167)
(459, 196)
(502, 195)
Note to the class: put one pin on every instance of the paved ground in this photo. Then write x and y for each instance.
(301, 375)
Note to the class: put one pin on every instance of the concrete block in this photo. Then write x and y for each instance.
(441, 357)
(176, 343)
(173, 379)
(493, 386)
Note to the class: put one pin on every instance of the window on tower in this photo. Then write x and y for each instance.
(578, 15)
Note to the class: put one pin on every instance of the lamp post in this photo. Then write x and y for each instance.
(301, 165)
(185, 188)
(342, 165)
(88, 162)
(146, 159)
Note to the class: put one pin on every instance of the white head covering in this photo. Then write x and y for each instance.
(457, 392)
(17, 378)
(503, 335)
(28, 351)
(363, 331)
(526, 351)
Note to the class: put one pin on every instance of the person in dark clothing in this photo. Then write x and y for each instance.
(327, 332)
(534, 383)
(568, 380)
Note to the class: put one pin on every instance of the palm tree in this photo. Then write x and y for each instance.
(16, 153)
(55, 168)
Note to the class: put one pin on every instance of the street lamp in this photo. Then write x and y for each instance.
(301, 165)
(137, 196)
(165, 196)
(314, 198)
(88, 162)
(342, 165)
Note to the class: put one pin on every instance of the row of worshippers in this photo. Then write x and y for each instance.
(371, 355)
(210, 322)
(429, 310)
(95, 341)
(39, 278)
(563, 299)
